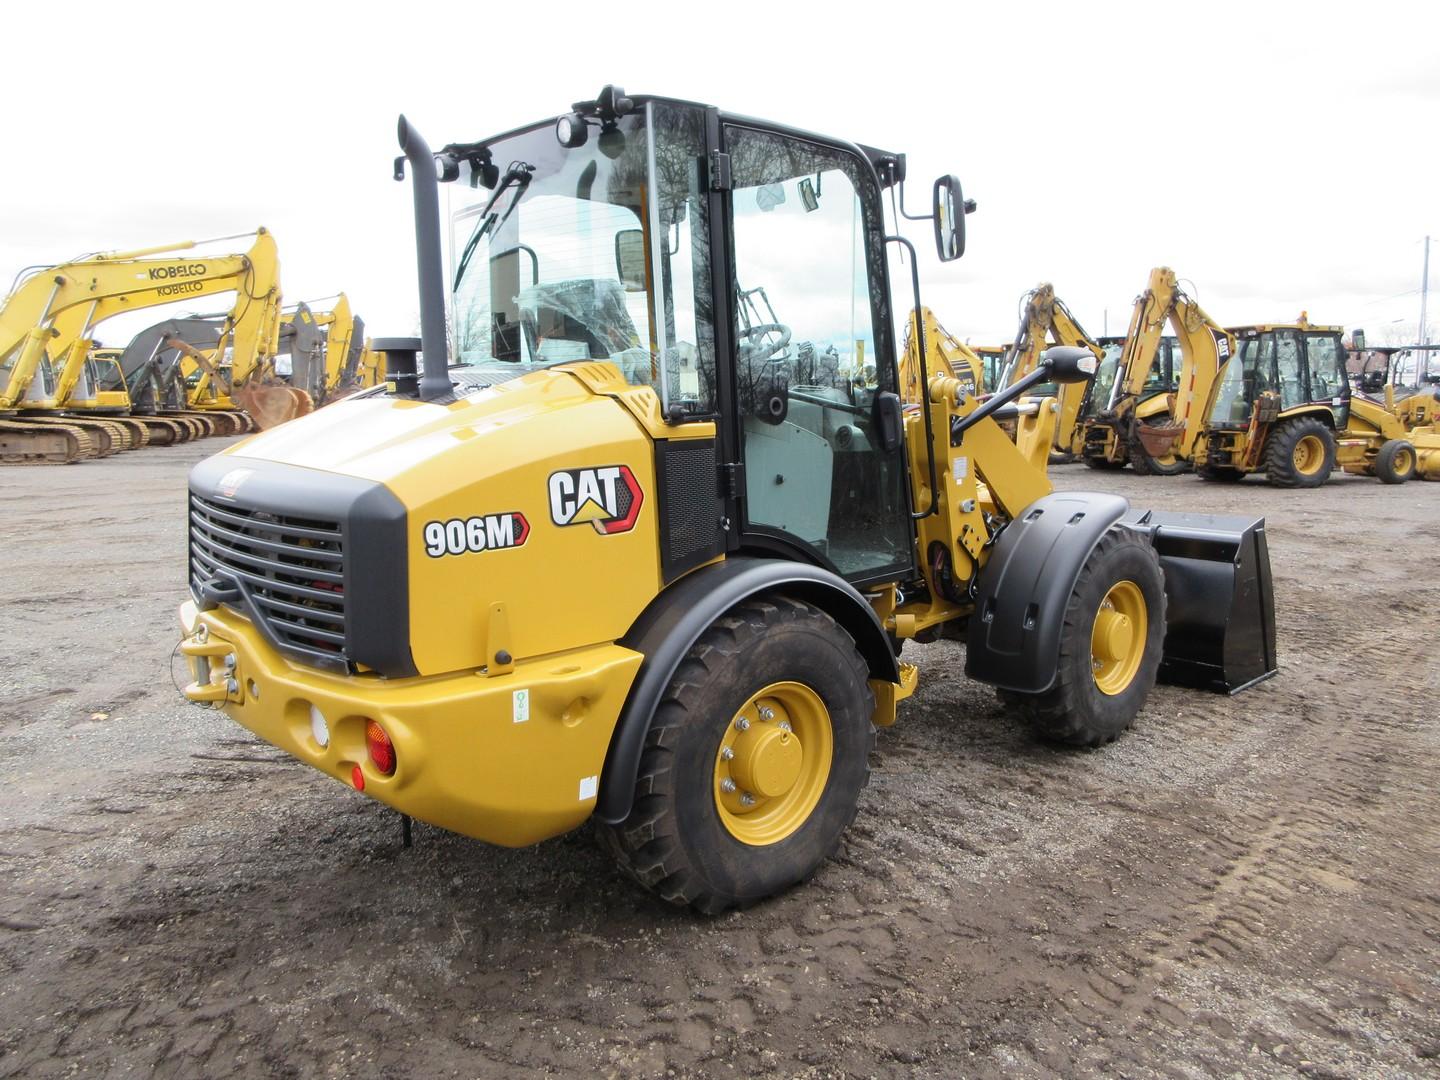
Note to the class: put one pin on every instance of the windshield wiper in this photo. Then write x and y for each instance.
(517, 176)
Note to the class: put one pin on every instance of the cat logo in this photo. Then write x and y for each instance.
(609, 498)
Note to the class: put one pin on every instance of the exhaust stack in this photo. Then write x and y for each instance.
(435, 376)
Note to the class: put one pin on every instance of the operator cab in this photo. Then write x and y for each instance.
(1162, 378)
(736, 268)
(1296, 365)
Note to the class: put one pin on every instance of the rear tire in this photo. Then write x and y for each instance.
(1396, 462)
(1096, 694)
(1300, 453)
(690, 841)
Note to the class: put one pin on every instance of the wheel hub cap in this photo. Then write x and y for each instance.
(767, 760)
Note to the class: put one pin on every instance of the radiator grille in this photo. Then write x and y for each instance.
(291, 569)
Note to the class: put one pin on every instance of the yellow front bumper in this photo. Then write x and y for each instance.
(510, 759)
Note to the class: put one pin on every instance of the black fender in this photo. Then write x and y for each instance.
(676, 618)
(1022, 591)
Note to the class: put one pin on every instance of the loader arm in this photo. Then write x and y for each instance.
(52, 314)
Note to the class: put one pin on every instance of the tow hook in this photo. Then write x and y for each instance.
(214, 669)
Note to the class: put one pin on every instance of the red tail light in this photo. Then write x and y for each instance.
(382, 750)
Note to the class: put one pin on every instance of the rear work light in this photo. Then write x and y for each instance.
(382, 750)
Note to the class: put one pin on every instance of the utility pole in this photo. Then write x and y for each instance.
(1424, 357)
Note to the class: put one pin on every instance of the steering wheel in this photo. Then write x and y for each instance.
(751, 343)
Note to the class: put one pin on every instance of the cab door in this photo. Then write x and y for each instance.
(812, 357)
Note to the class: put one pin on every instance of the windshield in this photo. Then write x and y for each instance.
(558, 260)
(1104, 381)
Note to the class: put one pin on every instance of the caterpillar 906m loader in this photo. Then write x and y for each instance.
(636, 559)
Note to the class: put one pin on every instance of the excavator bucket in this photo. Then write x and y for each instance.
(1220, 603)
(272, 404)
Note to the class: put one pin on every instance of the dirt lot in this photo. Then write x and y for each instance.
(1239, 886)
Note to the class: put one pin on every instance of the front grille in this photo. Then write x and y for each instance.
(291, 569)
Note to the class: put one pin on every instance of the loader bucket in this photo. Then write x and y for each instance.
(1220, 603)
(272, 404)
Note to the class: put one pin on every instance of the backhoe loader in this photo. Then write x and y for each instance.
(1380, 378)
(632, 558)
(46, 334)
(1283, 406)
(1045, 320)
(1151, 412)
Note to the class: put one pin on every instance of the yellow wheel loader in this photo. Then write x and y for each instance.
(1283, 406)
(618, 553)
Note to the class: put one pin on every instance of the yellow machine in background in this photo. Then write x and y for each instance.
(1283, 406)
(642, 557)
(1045, 320)
(1152, 412)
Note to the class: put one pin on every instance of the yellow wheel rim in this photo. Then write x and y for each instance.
(1309, 455)
(773, 763)
(1404, 461)
(1117, 642)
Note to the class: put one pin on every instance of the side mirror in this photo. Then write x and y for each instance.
(630, 259)
(1069, 363)
(1357, 340)
(949, 213)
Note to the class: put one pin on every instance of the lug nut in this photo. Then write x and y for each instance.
(727, 785)
(784, 725)
(742, 723)
(726, 754)
(767, 713)
(746, 799)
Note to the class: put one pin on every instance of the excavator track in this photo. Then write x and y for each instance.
(106, 438)
(24, 443)
(161, 431)
(139, 432)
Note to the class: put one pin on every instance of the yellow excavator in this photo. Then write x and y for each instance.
(46, 336)
(635, 559)
(1283, 406)
(1151, 413)
(329, 354)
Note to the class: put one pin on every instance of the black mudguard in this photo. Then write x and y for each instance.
(676, 618)
(1219, 599)
(1022, 591)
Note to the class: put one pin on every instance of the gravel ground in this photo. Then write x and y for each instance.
(1243, 886)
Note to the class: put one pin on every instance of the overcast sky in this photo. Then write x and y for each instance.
(1277, 156)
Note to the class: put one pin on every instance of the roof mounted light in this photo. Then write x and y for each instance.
(571, 130)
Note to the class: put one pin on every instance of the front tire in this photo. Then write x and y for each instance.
(754, 761)
(1395, 463)
(1300, 453)
(1110, 646)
